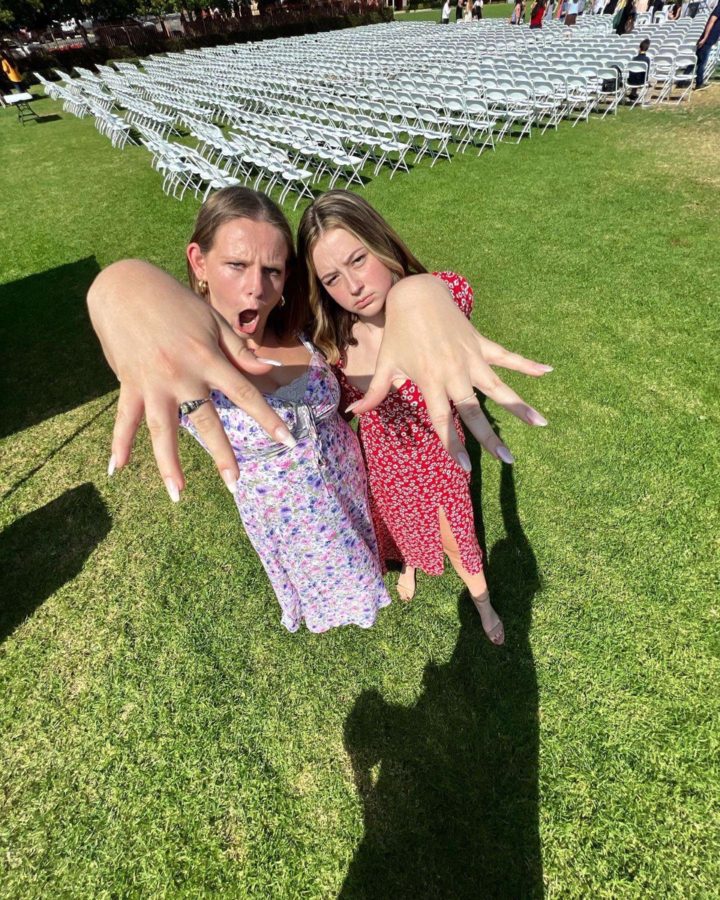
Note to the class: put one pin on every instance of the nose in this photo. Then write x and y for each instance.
(254, 281)
(355, 283)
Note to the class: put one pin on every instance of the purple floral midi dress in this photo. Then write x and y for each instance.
(306, 510)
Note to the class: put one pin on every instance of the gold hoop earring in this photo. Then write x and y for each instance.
(282, 300)
(202, 286)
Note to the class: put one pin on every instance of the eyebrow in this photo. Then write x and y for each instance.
(241, 258)
(344, 261)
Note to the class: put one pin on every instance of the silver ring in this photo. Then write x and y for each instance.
(191, 405)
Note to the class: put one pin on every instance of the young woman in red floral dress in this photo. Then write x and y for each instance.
(420, 498)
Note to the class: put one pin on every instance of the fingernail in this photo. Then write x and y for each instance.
(284, 437)
(464, 461)
(172, 490)
(534, 418)
(353, 405)
(505, 455)
(111, 466)
(547, 368)
(230, 480)
(268, 362)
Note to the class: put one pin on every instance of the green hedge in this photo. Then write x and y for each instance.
(86, 57)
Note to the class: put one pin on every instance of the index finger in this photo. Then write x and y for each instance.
(223, 376)
(495, 354)
(495, 388)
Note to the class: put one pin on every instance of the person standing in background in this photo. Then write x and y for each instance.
(571, 12)
(657, 8)
(708, 40)
(626, 18)
(537, 13)
(11, 72)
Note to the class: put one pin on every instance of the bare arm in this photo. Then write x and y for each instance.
(166, 346)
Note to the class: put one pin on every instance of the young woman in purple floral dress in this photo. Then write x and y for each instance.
(304, 505)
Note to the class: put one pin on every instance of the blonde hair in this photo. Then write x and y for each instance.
(243, 203)
(333, 325)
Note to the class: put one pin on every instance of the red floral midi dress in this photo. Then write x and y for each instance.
(411, 476)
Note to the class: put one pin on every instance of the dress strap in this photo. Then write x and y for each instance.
(308, 345)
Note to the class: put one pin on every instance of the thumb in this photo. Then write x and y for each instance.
(238, 352)
(377, 391)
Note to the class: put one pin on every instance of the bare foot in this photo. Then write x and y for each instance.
(491, 621)
(406, 584)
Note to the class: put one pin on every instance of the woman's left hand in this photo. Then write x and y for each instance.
(428, 340)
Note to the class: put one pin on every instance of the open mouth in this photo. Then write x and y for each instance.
(247, 321)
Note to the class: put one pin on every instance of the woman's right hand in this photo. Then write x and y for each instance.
(428, 340)
(166, 346)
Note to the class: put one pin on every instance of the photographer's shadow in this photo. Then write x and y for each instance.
(450, 785)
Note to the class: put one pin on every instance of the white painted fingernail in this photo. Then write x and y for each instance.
(230, 480)
(353, 405)
(268, 362)
(505, 455)
(547, 368)
(283, 436)
(464, 461)
(111, 466)
(534, 418)
(172, 490)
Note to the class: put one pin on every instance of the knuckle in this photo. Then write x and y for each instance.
(493, 382)
(123, 418)
(473, 413)
(204, 415)
(244, 392)
(444, 418)
(157, 427)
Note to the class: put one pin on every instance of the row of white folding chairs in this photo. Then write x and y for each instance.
(50, 88)
(183, 168)
(112, 126)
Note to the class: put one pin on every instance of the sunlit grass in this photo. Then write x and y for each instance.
(163, 735)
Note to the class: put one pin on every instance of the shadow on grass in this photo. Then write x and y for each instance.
(52, 360)
(450, 785)
(45, 549)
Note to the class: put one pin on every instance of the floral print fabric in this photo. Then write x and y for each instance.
(411, 477)
(306, 510)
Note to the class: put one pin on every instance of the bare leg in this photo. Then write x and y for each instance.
(476, 584)
(406, 583)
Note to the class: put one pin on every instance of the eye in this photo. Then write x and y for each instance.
(272, 272)
(237, 265)
(331, 280)
(359, 259)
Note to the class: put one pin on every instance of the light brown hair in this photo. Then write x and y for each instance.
(243, 203)
(341, 209)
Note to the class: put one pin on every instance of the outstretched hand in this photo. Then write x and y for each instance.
(166, 347)
(429, 340)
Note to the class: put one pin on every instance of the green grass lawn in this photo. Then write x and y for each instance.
(162, 735)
